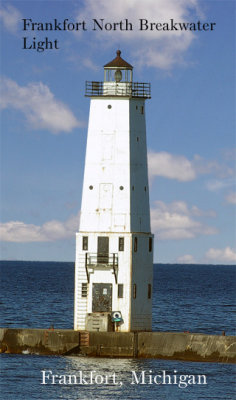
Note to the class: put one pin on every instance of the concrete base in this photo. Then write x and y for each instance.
(162, 345)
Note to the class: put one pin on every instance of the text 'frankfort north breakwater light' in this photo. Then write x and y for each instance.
(114, 245)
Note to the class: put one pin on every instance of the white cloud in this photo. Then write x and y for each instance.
(221, 255)
(154, 48)
(169, 221)
(178, 167)
(229, 154)
(175, 221)
(81, 62)
(39, 106)
(16, 231)
(202, 213)
(11, 17)
(215, 185)
(231, 198)
(186, 259)
(203, 166)
(170, 166)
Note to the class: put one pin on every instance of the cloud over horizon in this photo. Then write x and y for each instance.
(186, 259)
(177, 221)
(221, 255)
(174, 221)
(19, 232)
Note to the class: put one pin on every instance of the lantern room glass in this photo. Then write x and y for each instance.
(111, 74)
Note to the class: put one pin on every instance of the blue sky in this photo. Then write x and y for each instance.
(190, 125)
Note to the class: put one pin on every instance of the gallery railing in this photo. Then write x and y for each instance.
(125, 89)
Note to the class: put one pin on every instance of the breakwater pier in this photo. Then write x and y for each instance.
(162, 345)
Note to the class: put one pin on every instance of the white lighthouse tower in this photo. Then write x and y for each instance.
(114, 245)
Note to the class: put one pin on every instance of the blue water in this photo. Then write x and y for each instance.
(195, 298)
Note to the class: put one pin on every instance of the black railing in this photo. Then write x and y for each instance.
(109, 260)
(125, 89)
(104, 260)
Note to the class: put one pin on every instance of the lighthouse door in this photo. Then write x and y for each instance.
(102, 297)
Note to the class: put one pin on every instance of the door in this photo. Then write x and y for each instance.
(103, 250)
(102, 297)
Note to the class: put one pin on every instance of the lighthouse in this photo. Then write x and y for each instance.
(114, 245)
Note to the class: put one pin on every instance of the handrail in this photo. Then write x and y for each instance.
(111, 89)
(101, 258)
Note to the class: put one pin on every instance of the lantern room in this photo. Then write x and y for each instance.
(118, 70)
(118, 81)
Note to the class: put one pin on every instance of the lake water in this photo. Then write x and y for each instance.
(195, 298)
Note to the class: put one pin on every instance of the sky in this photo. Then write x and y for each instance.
(190, 123)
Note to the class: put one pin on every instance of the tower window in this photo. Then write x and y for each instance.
(135, 244)
(90, 187)
(121, 243)
(134, 291)
(120, 291)
(149, 291)
(150, 244)
(85, 243)
(145, 188)
(121, 187)
(109, 106)
(142, 109)
(84, 290)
